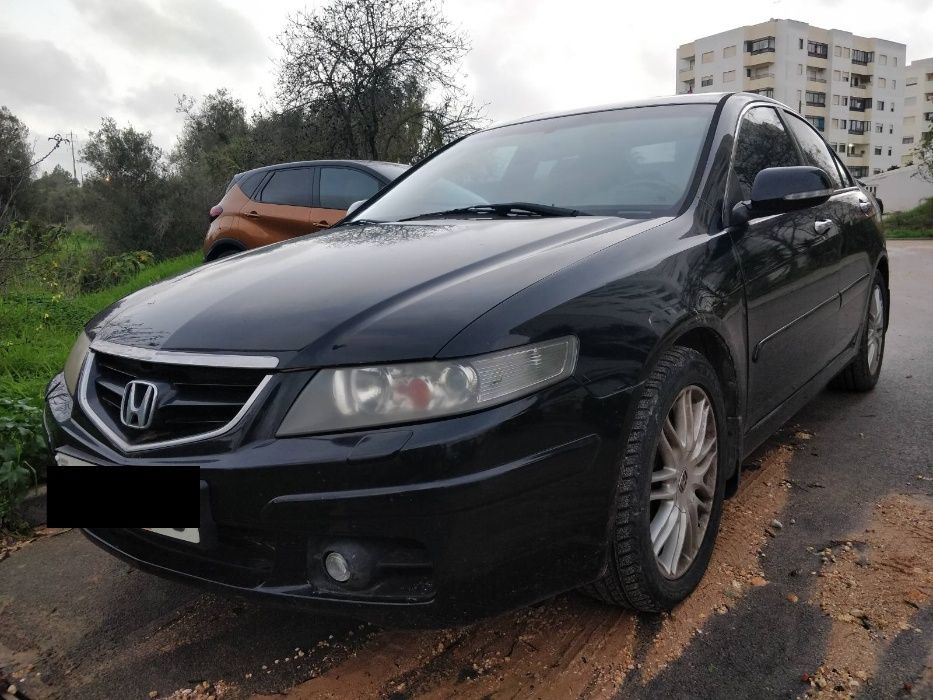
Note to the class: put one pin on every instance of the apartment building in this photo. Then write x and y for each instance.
(918, 106)
(849, 87)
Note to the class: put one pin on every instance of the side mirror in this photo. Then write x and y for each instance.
(353, 207)
(779, 190)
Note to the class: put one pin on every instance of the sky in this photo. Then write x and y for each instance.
(64, 64)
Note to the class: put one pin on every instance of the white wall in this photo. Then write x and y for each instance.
(900, 189)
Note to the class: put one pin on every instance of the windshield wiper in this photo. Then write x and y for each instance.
(503, 209)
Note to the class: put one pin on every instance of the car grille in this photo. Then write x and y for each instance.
(193, 400)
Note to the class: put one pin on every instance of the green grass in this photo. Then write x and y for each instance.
(907, 233)
(38, 327)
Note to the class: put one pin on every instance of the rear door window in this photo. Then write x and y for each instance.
(340, 187)
(290, 186)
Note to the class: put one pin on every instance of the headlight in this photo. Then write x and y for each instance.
(75, 360)
(358, 397)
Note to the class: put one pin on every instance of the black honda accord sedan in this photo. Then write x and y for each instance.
(534, 363)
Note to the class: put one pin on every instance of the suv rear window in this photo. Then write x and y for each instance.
(249, 183)
(291, 186)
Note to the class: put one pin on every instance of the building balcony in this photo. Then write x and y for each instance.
(686, 70)
(816, 79)
(858, 130)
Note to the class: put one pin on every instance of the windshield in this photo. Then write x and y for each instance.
(635, 162)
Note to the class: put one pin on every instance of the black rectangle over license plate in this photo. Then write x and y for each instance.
(136, 496)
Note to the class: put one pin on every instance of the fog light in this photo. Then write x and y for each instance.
(337, 567)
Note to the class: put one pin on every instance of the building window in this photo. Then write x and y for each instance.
(845, 76)
(766, 92)
(879, 104)
(837, 50)
(907, 140)
(879, 127)
(799, 69)
(842, 148)
(707, 57)
(835, 123)
(893, 83)
(883, 60)
(890, 151)
(729, 51)
(895, 61)
(845, 100)
(910, 101)
(835, 99)
(877, 150)
(816, 99)
(816, 49)
(818, 123)
(765, 44)
(859, 104)
(842, 123)
(837, 76)
(728, 76)
(801, 42)
(891, 128)
(882, 82)
(847, 51)
(862, 57)
(706, 81)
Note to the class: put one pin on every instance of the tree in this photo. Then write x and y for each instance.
(923, 155)
(379, 78)
(125, 189)
(15, 161)
(54, 197)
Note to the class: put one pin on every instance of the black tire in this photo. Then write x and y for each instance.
(859, 375)
(634, 578)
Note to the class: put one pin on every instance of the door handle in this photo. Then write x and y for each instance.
(252, 214)
(323, 224)
(823, 225)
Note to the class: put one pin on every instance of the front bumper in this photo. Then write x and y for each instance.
(444, 522)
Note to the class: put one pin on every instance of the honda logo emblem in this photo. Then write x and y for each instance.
(137, 409)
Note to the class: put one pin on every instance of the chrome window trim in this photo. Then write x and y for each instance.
(172, 357)
(128, 448)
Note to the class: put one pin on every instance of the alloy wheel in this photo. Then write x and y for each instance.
(683, 482)
(875, 329)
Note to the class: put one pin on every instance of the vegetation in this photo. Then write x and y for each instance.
(914, 223)
(38, 325)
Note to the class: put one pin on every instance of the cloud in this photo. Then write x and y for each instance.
(49, 82)
(205, 30)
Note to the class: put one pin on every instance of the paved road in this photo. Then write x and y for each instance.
(77, 623)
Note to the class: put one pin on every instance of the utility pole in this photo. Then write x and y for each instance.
(74, 168)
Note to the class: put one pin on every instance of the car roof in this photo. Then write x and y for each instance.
(385, 168)
(684, 99)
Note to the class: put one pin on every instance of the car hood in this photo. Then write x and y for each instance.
(360, 293)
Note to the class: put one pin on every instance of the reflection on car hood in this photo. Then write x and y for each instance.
(364, 293)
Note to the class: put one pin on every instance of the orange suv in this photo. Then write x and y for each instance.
(277, 202)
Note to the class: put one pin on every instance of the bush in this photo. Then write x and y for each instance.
(23, 453)
(916, 219)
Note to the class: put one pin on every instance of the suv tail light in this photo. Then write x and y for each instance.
(216, 211)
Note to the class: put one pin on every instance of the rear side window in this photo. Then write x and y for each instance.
(762, 143)
(249, 183)
(815, 150)
(340, 187)
(291, 186)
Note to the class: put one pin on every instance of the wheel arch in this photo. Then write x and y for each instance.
(706, 335)
(224, 245)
